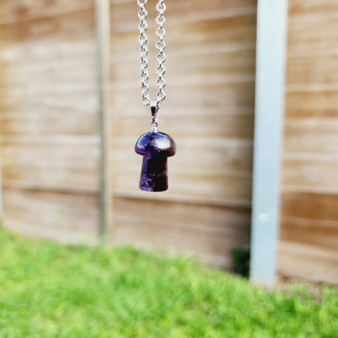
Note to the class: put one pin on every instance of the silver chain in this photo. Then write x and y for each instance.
(160, 57)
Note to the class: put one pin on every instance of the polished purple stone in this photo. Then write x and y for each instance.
(155, 149)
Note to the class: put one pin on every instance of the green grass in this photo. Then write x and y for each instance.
(51, 290)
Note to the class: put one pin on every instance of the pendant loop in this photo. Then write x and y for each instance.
(154, 110)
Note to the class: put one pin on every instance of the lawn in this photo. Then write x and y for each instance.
(52, 290)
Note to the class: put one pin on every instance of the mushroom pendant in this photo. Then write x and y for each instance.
(155, 147)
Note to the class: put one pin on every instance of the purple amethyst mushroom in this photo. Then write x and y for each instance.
(155, 147)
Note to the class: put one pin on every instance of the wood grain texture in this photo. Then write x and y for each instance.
(210, 49)
(49, 144)
(50, 162)
(64, 217)
(207, 232)
(48, 123)
(210, 75)
(309, 219)
(307, 262)
(68, 26)
(22, 11)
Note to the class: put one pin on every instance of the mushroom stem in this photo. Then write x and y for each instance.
(154, 175)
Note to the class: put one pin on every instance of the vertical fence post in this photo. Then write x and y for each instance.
(102, 16)
(270, 69)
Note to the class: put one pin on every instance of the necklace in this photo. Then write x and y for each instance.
(155, 146)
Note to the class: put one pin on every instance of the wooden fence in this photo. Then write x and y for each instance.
(309, 225)
(51, 143)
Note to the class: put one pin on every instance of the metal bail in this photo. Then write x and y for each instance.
(154, 110)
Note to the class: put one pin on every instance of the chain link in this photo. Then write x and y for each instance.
(160, 57)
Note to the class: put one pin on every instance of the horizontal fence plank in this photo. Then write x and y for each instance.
(311, 6)
(59, 216)
(309, 205)
(19, 11)
(48, 90)
(70, 26)
(307, 262)
(51, 165)
(124, 13)
(209, 232)
(320, 233)
(207, 168)
(304, 104)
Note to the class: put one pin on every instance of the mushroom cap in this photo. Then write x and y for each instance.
(155, 144)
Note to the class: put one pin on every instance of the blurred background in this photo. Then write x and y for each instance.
(50, 141)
